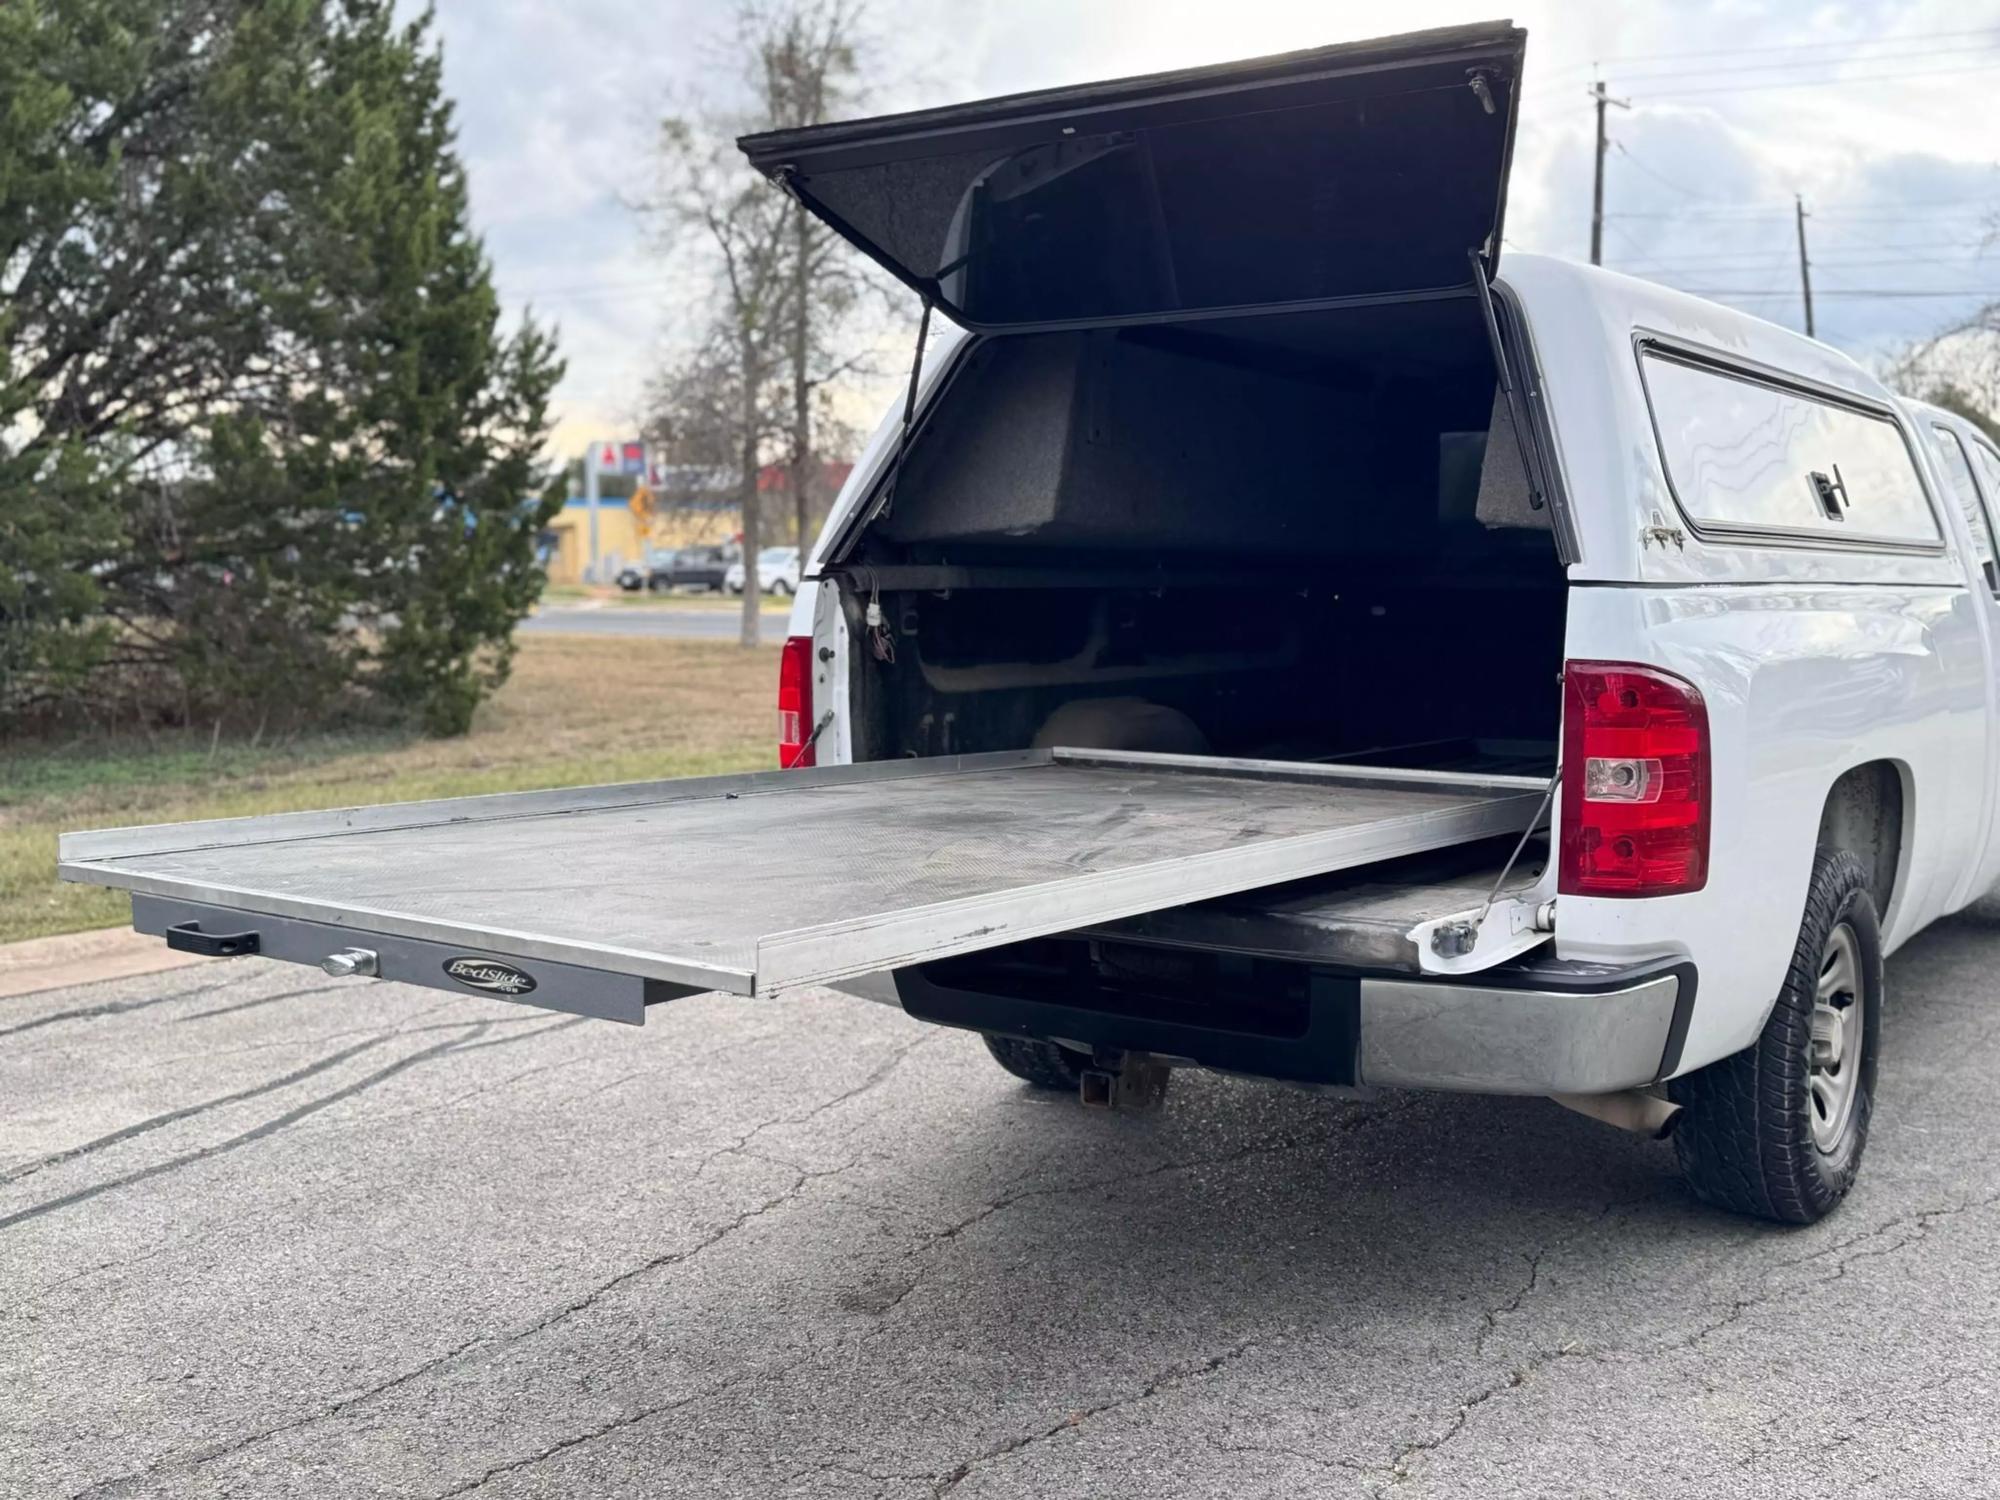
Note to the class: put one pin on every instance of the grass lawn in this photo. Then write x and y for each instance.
(577, 710)
(554, 598)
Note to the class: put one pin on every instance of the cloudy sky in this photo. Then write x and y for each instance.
(1882, 115)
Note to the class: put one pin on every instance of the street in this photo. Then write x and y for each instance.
(272, 1234)
(682, 622)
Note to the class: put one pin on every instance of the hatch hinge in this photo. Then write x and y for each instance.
(1482, 271)
(1479, 80)
(1659, 533)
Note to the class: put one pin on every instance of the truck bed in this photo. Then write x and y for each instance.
(1365, 918)
(603, 899)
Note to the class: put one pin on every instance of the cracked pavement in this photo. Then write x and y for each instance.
(261, 1235)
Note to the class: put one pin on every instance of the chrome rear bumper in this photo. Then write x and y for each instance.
(1537, 1026)
(1471, 1038)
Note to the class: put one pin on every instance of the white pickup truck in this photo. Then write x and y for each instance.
(1278, 633)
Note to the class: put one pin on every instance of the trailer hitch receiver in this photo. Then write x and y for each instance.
(1137, 1081)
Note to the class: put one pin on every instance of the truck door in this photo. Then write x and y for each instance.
(1979, 500)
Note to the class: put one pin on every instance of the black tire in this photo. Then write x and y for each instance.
(1752, 1136)
(1043, 1064)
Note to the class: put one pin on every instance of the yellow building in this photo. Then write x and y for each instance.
(690, 511)
(622, 538)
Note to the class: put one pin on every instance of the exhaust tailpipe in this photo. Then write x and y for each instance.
(1635, 1110)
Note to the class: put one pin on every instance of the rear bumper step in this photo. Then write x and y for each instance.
(1479, 1038)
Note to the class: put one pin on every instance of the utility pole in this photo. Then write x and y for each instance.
(1597, 194)
(591, 498)
(1805, 266)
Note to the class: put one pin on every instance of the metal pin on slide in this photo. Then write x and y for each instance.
(357, 962)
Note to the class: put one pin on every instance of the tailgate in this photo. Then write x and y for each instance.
(601, 900)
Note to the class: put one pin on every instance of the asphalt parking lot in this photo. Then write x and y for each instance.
(264, 1233)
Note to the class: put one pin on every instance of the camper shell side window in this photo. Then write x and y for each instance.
(1753, 455)
(1958, 472)
(1987, 460)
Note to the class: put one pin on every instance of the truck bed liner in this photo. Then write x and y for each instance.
(758, 883)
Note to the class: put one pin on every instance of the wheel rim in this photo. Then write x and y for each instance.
(1834, 1078)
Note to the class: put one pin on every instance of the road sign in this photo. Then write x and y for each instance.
(643, 508)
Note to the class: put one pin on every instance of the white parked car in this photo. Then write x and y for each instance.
(1277, 633)
(777, 572)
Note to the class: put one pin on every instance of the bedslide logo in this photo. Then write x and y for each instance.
(490, 974)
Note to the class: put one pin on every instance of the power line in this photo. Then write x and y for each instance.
(1915, 252)
(1745, 262)
(1746, 213)
(1988, 293)
(1632, 240)
(1659, 177)
(1841, 81)
(1645, 77)
(1847, 45)
(1715, 204)
(1804, 64)
(1722, 216)
(1675, 92)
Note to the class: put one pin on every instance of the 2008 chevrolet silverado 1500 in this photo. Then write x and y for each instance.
(1273, 635)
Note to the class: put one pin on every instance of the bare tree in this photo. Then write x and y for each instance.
(706, 194)
(784, 284)
(810, 73)
(692, 425)
(1957, 367)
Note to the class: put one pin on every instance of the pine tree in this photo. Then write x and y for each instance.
(264, 445)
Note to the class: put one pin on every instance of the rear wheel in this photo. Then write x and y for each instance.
(1043, 1064)
(1778, 1129)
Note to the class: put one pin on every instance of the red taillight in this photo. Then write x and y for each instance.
(1635, 799)
(795, 703)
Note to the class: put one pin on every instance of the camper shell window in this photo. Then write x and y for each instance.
(1989, 471)
(1958, 471)
(1748, 456)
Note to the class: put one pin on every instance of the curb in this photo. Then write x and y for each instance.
(54, 963)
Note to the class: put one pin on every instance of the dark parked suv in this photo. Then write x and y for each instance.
(689, 567)
(650, 574)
